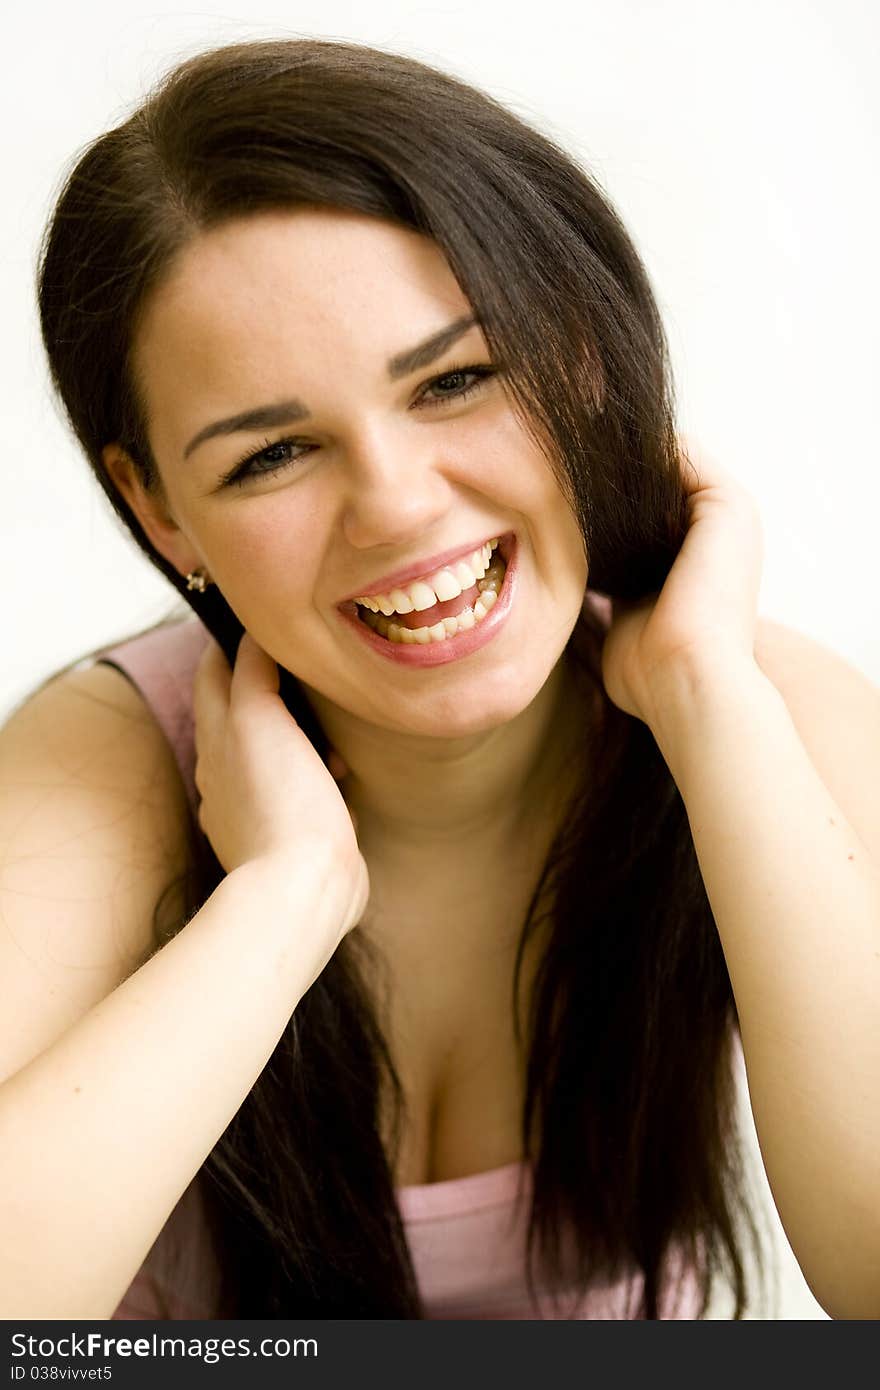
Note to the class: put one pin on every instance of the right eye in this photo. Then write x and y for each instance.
(277, 455)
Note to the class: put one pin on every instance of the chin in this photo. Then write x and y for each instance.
(500, 700)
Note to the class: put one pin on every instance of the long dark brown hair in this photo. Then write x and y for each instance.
(629, 1121)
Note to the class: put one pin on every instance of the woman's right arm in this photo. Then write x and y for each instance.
(103, 1128)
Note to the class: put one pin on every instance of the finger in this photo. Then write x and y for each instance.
(337, 767)
(213, 656)
(692, 462)
(701, 468)
(255, 671)
(211, 681)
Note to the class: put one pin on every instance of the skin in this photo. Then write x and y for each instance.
(451, 766)
(311, 304)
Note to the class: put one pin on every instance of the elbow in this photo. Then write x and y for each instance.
(864, 1307)
(851, 1295)
(838, 1250)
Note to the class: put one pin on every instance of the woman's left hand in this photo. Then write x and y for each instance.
(706, 613)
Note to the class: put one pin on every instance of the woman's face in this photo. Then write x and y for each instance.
(272, 337)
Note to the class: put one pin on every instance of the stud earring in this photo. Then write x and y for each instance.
(197, 579)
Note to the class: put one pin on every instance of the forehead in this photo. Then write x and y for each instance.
(336, 279)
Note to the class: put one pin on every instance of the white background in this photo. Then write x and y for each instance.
(739, 143)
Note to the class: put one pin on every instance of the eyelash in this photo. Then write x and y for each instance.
(239, 476)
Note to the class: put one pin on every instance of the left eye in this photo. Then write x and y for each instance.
(277, 455)
(481, 374)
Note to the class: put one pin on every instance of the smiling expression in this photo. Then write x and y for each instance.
(282, 340)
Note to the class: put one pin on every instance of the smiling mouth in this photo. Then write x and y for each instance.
(445, 619)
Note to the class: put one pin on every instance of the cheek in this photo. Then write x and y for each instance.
(502, 461)
(498, 459)
(514, 469)
(271, 544)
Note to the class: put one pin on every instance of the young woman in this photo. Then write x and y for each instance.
(415, 902)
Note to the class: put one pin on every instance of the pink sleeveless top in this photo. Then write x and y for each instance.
(466, 1236)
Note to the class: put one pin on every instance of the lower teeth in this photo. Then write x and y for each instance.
(489, 587)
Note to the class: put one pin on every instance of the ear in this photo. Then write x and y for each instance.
(151, 509)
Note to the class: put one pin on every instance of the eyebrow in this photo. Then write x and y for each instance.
(288, 412)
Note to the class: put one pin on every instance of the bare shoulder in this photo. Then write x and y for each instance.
(92, 729)
(836, 710)
(812, 676)
(94, 830)
(789, 650)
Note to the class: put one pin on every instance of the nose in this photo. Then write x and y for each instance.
(396, 487)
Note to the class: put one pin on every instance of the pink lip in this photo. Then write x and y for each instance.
(386, 582)
(453, 648)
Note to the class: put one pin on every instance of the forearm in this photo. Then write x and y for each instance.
(101, 1134)
(796, 901)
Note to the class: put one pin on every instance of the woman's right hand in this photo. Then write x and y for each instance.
(265, 792)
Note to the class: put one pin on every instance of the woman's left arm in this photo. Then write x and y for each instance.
(774, 745)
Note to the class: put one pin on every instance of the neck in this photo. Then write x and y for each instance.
(416, 798)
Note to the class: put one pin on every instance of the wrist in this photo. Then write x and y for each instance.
(297, 881)
(705, 699)
(284, 921)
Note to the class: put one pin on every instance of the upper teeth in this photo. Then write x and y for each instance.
(446, 583)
